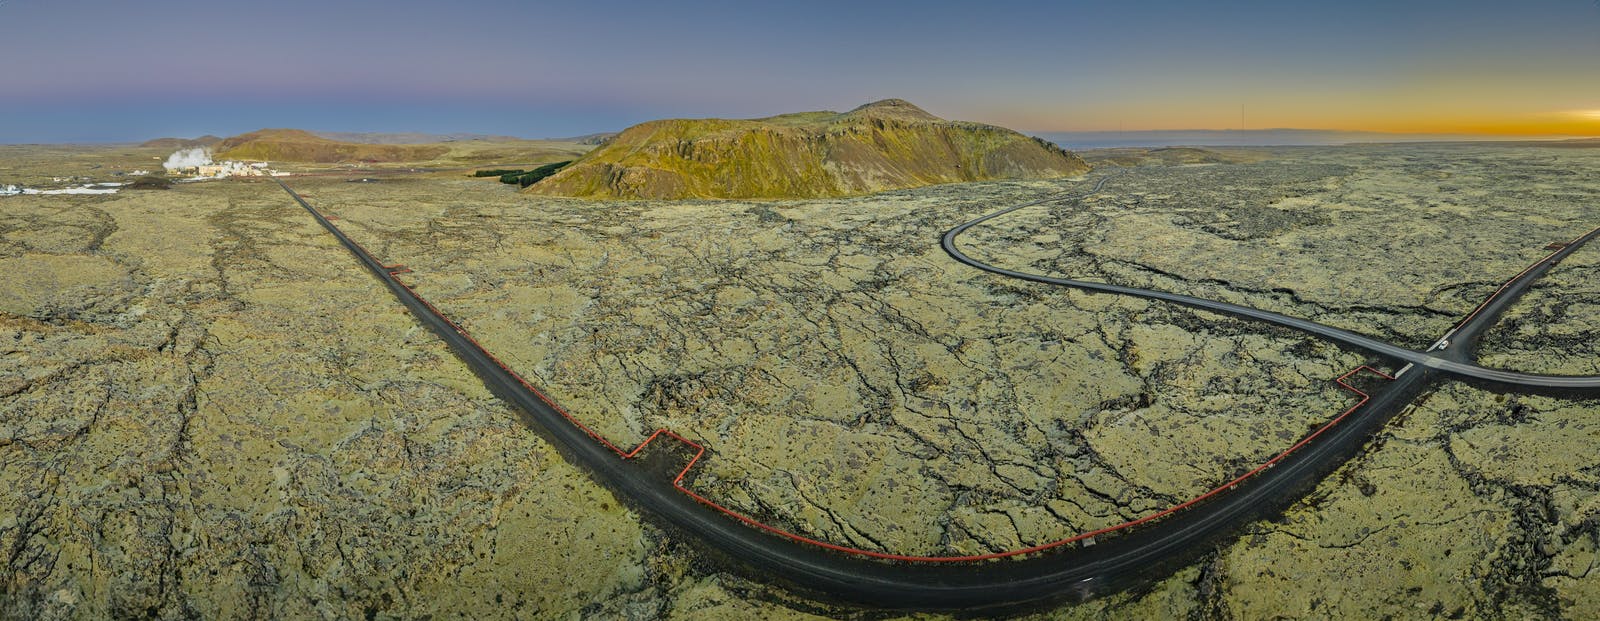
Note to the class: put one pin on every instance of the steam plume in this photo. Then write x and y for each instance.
(188, 158)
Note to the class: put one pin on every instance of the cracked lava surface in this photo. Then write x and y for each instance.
(204, 407)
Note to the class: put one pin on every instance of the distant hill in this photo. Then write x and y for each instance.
(588, 139)
(411, 137)
(1274, 137)
(294, 145)
(1576, 143)
(181, 143)
(1168, 156)
(880, 146)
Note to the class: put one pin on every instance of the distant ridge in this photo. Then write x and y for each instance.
(181, 143)
(1576, 143)
(1262, 138)
(1169, 156)
(589, 139)
(883, 145)
(295, 145)
(410, 137)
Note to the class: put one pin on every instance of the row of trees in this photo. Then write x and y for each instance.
(523, 178)
(533, 176)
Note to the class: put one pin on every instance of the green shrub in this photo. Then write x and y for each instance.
(538, 174)
(524, 178)
(149, 182)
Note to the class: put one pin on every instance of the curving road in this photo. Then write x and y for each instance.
(1456, 365)
(1073, 568)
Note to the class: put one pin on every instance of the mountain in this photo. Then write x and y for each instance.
(181, 143)
(411, 137)
(294, 145)
(1167, 156)
(880, 146)
(588, 139)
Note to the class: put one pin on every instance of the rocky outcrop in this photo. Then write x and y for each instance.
(886, 145)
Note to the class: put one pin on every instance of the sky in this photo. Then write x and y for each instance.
(114, 70)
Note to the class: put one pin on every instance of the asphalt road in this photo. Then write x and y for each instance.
(1451, 363)
(1075, 570)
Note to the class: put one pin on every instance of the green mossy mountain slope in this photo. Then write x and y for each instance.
(885, 145)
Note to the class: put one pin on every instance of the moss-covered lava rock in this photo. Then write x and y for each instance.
(885, 145)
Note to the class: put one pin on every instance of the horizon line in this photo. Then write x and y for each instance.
(1456, 136)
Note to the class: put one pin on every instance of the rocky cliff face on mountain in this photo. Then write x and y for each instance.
(885, 145)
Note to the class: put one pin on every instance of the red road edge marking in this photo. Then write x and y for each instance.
(1507, 283)
(700, 451)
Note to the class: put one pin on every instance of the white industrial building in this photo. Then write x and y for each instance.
(229, 168)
